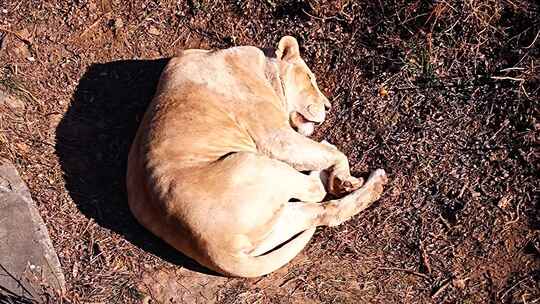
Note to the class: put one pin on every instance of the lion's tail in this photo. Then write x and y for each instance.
(255, 266)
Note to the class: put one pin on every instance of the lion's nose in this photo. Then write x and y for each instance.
(327, 104)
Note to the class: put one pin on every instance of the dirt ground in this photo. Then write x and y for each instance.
(444, 95)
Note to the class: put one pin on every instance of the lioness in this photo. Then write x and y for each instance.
(214, 169)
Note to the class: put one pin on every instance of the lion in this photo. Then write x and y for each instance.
(221, 167)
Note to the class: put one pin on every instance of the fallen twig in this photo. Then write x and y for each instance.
(441, 289)
(534, 40)
(425, 258)
(501, 297)
(507, 78)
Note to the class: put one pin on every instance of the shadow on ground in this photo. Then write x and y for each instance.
(93, 141)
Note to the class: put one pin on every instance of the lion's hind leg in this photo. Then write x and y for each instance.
(296, 217)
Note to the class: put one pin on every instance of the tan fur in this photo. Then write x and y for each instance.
(216, 160)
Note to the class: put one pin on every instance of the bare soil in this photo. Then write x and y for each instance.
(444, 95)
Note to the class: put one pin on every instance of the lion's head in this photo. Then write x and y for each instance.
(305, 102)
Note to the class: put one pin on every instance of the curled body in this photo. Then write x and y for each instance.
(214, 169)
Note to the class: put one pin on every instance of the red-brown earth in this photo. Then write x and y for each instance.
(444, 95)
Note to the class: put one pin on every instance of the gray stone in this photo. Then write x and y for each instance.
(29, 265)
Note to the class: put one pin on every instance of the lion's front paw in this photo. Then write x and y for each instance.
(340, 185)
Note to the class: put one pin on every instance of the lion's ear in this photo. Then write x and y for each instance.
(288, 49)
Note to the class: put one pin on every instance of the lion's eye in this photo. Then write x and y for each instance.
(304, 82)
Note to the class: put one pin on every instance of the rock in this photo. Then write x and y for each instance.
(29, 266)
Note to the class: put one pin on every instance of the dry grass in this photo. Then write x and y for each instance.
(456, 129)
